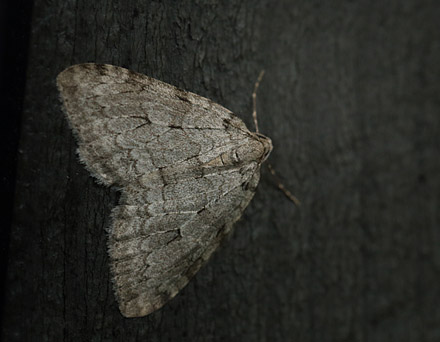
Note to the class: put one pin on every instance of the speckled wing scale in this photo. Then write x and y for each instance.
(186, 168)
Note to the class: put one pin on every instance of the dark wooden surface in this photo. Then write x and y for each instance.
(351, 101)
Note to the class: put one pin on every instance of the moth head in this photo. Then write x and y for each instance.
(267, 145)
(257, 149)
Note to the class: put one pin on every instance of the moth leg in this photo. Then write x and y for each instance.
(281, 186)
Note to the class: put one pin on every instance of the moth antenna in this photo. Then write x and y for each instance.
(254, 100)
(281, 186)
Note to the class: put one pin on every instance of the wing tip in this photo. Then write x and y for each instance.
(140, 307)
(66, 77)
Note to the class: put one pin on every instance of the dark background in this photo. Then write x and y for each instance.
(351, 101)
(15, 20)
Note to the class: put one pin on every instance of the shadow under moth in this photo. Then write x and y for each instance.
(186, 168)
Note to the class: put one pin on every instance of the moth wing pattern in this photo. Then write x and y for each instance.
(186, 168)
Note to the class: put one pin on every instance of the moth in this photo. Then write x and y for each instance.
(186, 168)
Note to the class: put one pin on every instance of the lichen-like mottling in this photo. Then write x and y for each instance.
(186, 166)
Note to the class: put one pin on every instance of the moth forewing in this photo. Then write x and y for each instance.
(186, 166)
